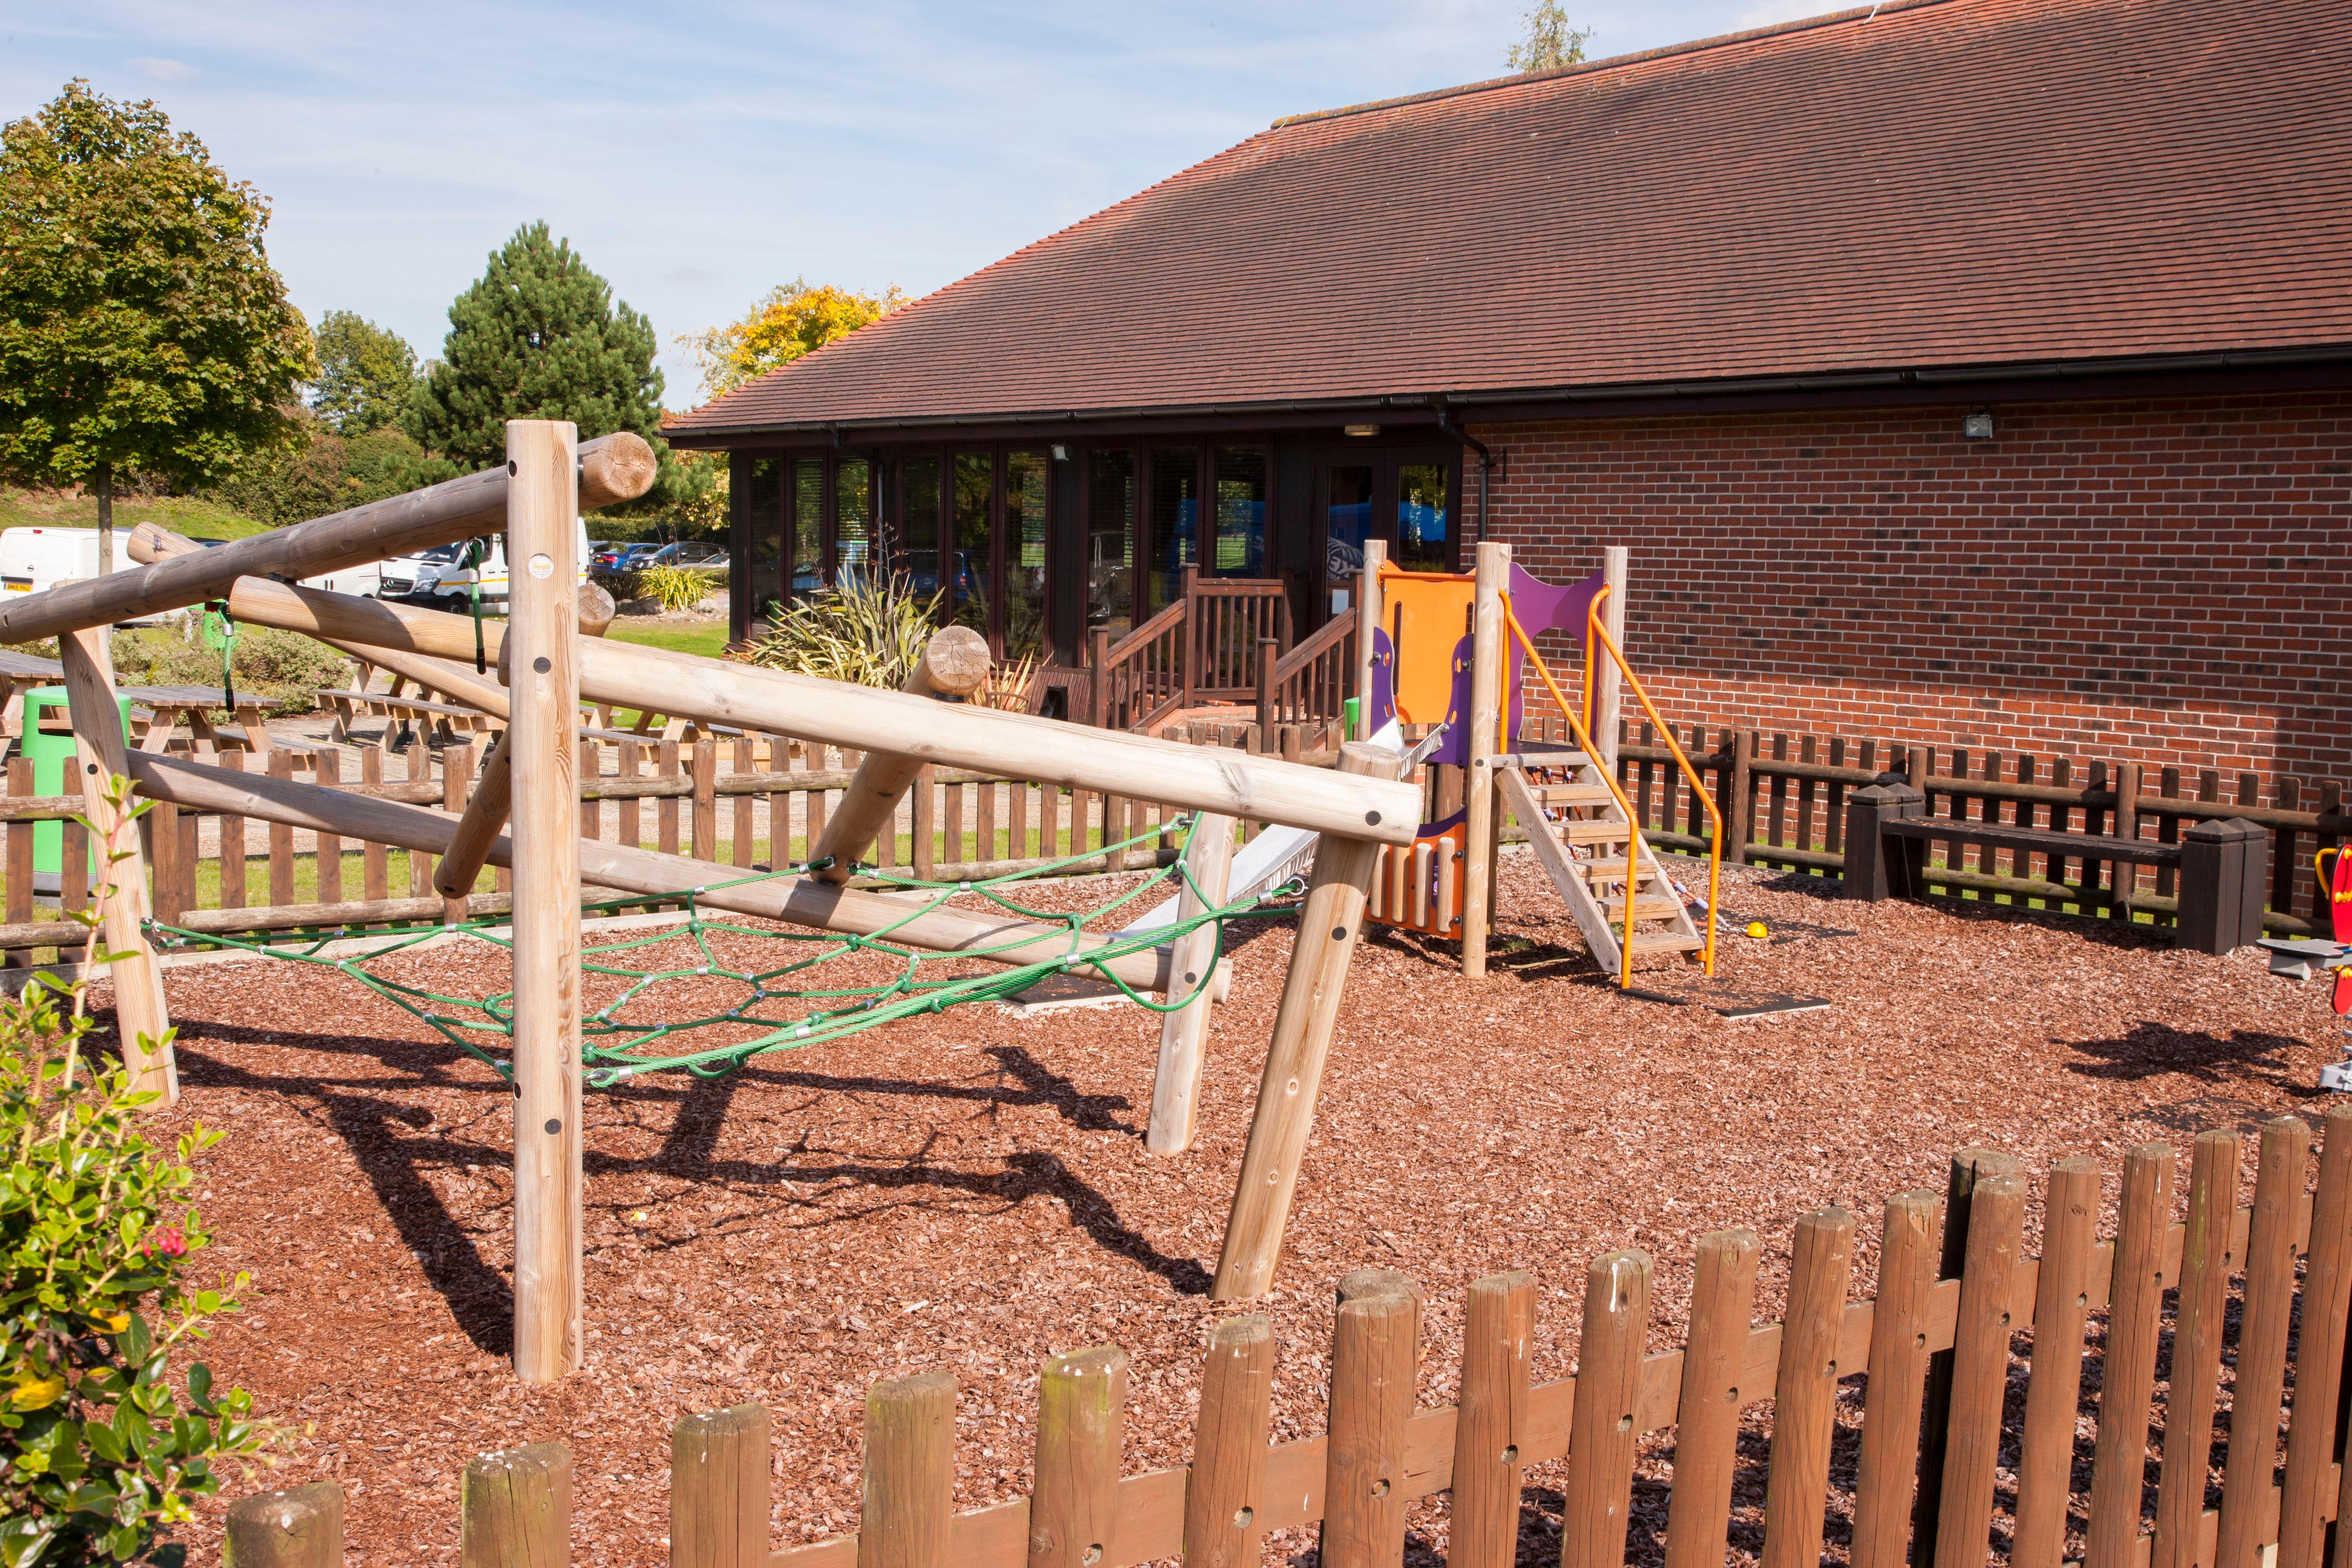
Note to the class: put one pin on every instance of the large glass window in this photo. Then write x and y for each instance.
(1347, 523)
(852, 516)
(1241, 512)
(918, 509)
(808, 526)
(763, 538)
(1421, 543)
(1175, 515)
(1025, 554)
(973, 569)
(1110, 542)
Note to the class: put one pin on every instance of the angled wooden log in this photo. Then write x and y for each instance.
(628, 869)
(954, 663)
(478, 825)
(683, 686)
(141, 1019)
(612, 469)
(1184, 1032)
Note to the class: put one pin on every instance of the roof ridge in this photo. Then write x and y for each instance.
(1582, 67)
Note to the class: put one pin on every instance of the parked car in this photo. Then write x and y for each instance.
(691, 554)
(619, 560)
(438, 576)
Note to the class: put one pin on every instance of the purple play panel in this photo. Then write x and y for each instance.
(1539, 607)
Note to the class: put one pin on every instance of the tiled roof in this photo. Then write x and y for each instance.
(1950, 182)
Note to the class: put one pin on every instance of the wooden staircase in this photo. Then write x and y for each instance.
(1593, 854)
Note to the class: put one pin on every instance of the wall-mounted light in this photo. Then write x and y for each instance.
(1061, 452)
(1359, 429)
(1976, 426)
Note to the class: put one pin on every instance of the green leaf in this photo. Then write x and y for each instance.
(23, 1539)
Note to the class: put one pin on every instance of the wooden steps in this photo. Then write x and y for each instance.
(1566, 804)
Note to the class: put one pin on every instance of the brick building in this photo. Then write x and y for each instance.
(1964, 371)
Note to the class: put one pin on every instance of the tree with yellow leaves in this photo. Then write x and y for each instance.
(795, 319)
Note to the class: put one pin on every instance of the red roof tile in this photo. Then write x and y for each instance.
(1953, 183)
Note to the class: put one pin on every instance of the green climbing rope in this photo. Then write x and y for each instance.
(785, 1006)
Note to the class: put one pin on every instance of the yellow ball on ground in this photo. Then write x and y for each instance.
(1756, 928)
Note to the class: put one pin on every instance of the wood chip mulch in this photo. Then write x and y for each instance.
(970, 1192)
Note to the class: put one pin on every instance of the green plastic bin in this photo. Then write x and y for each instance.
(51, 752)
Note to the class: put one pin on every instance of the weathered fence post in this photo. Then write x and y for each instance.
(1081, 1433)
(514, 1508)
(1898, 1380)
(301, 1527)
(1375, 1362)
(2135, 1306)
(718, 1488)
(1269, 652)
(1489, 705)
(1968, 1167)
(1879, 864)
(909, 1485)
(2212, 880)
(1597, 1496)
(1498, 1340)
(1805, 1404)
(1225, 1505)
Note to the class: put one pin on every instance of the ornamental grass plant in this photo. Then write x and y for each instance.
(869, 629)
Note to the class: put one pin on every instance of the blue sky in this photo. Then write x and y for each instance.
(697, 155)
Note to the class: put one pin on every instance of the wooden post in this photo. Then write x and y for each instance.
(456, 779)
(514, 1508)
(301, 1527)
(1224, 1501)
(1497, 1342)
(1489, 658)
(1368, 621)
(2206, 1264)
(1707, 1435)
(1740, 811)
(2285, 1149)
(718, 1489)
(1597, 1496)
(480, 824)
(1898, 1376)
(1375, 1363)
(542, 632)
(1968, 1167)
(1269, 652)
(1608, 693)
(2122, 876)
(1330, 923)
(1805, 1407)
(704, 841)
(2054, 1392)
(2319, 1356)
(910, 1482)
(955, 664)
(1099, 678)
(1184, 1034)
(141, 1022)
(2135, 1306)
(1980, 1367)
(1081, 1432)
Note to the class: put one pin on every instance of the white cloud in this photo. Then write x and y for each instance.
(157, 68)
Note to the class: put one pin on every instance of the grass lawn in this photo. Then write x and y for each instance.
(705, 640)
(192, 516)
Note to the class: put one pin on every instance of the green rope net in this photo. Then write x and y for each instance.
(783, 1007)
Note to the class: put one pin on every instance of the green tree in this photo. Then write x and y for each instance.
(792, 320)
(366, 375)
(141, 326)
(1549, 42)
(540, 336)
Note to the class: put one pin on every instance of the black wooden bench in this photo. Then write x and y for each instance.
(2223, 864)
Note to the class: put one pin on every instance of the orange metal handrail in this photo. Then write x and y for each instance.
(1625, 946)
(1593, 628)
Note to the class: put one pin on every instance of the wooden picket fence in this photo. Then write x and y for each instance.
(1783, 800)
(1939, 1421)
(718, 798)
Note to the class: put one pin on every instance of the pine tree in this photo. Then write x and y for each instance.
(540, 336)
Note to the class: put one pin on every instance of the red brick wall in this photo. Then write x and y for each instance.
(2162, 580)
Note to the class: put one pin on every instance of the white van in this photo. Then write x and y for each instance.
(32, 558)
(439, 576)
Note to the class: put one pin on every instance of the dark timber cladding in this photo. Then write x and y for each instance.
(1933, 199)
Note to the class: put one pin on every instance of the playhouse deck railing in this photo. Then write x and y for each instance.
(1937, 1421)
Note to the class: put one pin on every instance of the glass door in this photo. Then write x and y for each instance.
(1403, 498)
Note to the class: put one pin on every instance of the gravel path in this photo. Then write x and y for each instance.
(971, 1193)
